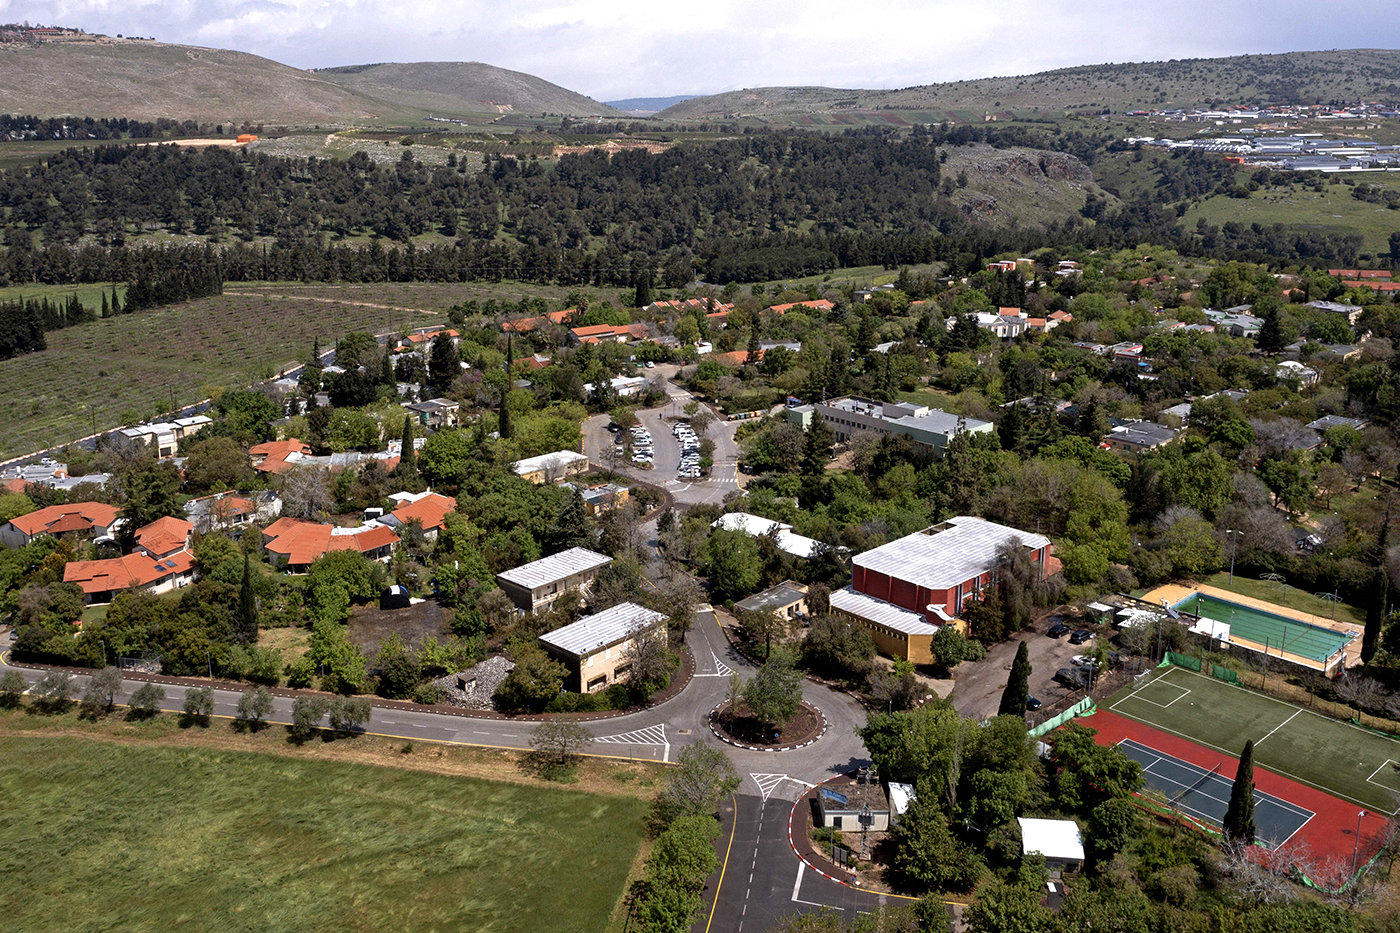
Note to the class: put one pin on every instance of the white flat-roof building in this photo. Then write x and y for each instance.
(1058, 841)
(931, 427)
(595, 647)
(756, 526)
(534, 586)
(550, 468)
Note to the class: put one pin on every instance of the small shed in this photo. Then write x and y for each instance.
(1058, 841)
(843, 803)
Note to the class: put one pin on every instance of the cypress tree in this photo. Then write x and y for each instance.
(106, 307)
(406, 453)
(1376, 607)
(386, 374)
(643, 297)
(1239, 816)
(1017, 692)
(116, 302)
(247, 605)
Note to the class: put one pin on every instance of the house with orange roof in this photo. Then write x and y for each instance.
(820, 304)
(278, 456)
(164, 537)
(708, 305)
(429, 509)
(101, 579)
(17, 485)
(232, 510)
(295, 544)
(1376, 275)
(94, 518)
(1061, 317)
(608, 333)
(527, 325)
(1373, 285)
(420, 341)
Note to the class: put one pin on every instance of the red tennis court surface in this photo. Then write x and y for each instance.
(1330, 834)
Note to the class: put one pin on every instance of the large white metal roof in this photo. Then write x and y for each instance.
(554, 568)
(946, 555)
(880, 612)
(602, 629)
(1054, 839)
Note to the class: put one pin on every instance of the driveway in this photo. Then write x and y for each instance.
(979, 685)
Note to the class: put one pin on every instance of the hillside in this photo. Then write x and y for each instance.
(465, 87)
(146, 80)
(1292, 77)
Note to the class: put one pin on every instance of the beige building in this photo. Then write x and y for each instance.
(898, 632)
(787, 600)
(595, 647)
(534, 586)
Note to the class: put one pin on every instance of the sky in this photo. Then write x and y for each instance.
(613, 49)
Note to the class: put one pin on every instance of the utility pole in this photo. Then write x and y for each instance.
(1356, 845)
(1233, 544)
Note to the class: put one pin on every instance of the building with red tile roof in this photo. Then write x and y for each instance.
(164, 537)
(820, 304)
(278, 456)
(1380, 275)
(296, 544)
(616, 333)
(78, 517)
(708, 305)
(430, 510)
(1375, 286)
(527, 325)
(100, 579)
(17, 485)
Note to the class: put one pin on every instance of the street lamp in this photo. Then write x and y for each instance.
(1234, 542)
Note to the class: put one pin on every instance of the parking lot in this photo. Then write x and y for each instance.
(979, 686)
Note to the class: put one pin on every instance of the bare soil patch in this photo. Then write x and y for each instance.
(369, 624)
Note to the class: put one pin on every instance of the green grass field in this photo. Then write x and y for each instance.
(96, 836)
(89, 295)
(1341, 759)
(1333, 210)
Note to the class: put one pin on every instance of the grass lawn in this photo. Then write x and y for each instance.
(933, 398)
(112, 837)
(1333, 210)
(89, 295)
(1333, 756)
(1291, 597)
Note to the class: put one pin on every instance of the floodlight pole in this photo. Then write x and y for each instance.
(1234, 543)
(1356, 842)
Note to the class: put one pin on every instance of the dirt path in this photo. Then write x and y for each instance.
(335, 301)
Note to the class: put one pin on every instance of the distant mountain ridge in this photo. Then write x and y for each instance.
(1285, 78)
(637, 106)
(470, 87)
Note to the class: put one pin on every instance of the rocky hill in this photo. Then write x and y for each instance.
(463, 87)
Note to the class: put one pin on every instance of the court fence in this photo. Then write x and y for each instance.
(1084, 706)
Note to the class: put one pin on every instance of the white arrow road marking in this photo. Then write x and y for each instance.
(651, 735)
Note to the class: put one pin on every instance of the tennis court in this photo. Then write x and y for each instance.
(1204, 793)
(1275, 632)
(1338, 758)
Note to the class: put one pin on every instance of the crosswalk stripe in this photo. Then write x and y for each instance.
(767, 783)
(651, 735)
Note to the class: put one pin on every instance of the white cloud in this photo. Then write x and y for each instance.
(635, 48)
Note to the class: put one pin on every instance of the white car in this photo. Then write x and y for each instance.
(650, 364)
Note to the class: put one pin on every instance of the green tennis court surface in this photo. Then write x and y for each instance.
(1336, 757)
(1265, 628)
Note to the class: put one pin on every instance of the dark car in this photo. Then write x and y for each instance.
(1033, 704)
(1058, 630)
(1076, 678)
(1080, 636)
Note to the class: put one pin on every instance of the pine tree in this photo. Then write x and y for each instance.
(572, 527)
(816, 447)
(1239, 816)
(1017, 692)
(247, 606)
(1012, 427)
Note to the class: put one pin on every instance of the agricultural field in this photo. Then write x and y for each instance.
(1333, 210)
(209, 839)
(124, 369)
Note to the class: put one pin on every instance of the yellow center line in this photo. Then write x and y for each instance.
(725, 863)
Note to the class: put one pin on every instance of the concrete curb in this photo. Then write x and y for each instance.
(710, 721)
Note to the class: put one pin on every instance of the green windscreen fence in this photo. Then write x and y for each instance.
(1223, 673)
(1084, 706)
(1184, 660)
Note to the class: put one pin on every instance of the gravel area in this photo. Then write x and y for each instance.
(474, 687)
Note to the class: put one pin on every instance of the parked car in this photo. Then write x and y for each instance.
(1080, 636)
(1058, 630)
(650, 364)
(1076, 678)
(1033, 704)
